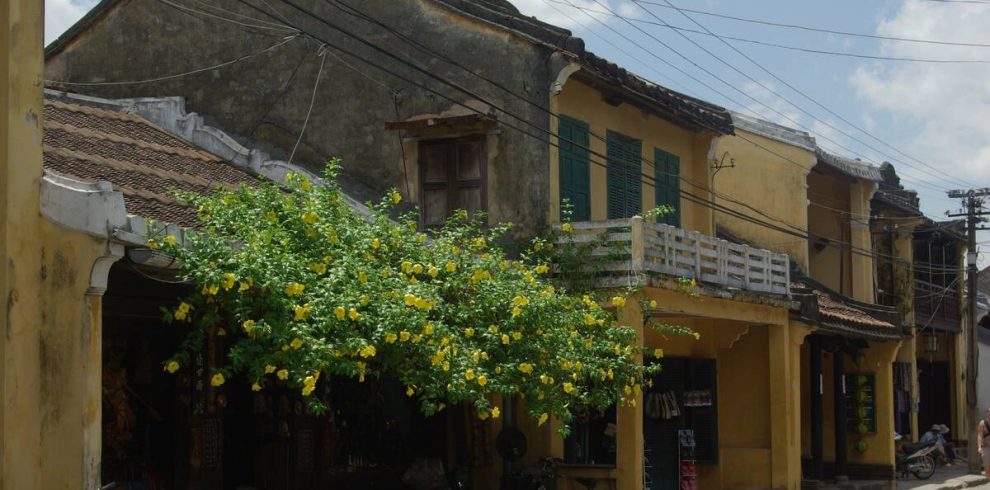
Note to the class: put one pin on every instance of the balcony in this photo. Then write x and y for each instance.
(636, 248)
(936, 306)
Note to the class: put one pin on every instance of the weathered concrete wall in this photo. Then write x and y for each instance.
(786, 199)
(265, 98)
(49, 314)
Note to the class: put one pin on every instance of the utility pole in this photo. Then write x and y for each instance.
(973, 201)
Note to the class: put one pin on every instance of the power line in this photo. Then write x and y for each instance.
(811, 99)
(257, 24)
(819, 29)
(778, 45)
(284, 41)
(643, 177)
(765, 87)
(316, 85)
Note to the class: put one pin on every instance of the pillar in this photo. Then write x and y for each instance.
(629, 450)
(863, 287)
(817, 460)
(838, 382)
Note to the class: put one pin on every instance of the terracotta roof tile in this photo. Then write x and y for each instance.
(831, 308)
(141, 160)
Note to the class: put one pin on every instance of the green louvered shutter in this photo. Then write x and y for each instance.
(574, 172)
(668, 185)
(623, 176)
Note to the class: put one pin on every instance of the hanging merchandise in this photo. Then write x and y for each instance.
(686, 466)
(698, 398)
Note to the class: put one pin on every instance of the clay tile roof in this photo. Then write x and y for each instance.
(141, 160)
(847, 317)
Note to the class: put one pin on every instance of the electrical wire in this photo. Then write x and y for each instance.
(193, 11)
(284, 41)
(778, 45)
(644, 177)
(312, 99)
(937, 173)
(820, 29)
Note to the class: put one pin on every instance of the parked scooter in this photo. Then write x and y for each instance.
(917, 459)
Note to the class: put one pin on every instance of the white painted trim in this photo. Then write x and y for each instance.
(92, 208)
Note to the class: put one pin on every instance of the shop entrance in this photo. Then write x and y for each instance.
(166, 431)
(935, 395)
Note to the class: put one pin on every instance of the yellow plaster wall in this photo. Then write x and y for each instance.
(581, 101)
(49, 353)
(786, 197)
(827, 217)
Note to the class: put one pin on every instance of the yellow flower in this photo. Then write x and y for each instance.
(450, 267)
(525, 367)
(152, 244)
(376, 243)
(255, 387)
(353, 314)
(567, 228)
(424, 304)
(404, 336)
(657, 352)
(248, 326)
(589, 320)
(283, 374)
(516, 335)
(543, 418)
(478, 243)
(618, 301)
(653, 303)
(368, 351)
(454, 249)
(365, 299)
(417, 269)
(172, 366)
(505, 339)
(496, 412)
(697, 336)
(308, 389)
(409, 299)
(542, 269)
(469, 332)
(339, 312)
(516, 311)
(309, 218)
(304, 184)
(482, 380)
(395, 196)
(469, 374)
(410, 391)
(294, 289)
(243, 286)
(569, 388)
(362, 277)
(318, 267)
(217, 379)
(520, 301)
(228, 281)
(212, 290)
(390, 338)
(170, 239)
(301, 312)
(428, 328)
(269, 369)
(271, 216)
(310, 380)
(433, 271)
(182, 312)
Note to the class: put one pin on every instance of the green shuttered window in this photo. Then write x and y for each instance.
(624, 176)
(668, 185)
(574, 172)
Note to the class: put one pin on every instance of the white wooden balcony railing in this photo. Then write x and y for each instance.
(642, 247)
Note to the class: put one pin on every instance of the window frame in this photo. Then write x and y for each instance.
(452, 184)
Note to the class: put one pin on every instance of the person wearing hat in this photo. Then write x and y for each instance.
(935, 435)
(983, 439)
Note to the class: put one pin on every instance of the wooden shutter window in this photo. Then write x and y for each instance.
(623, 176)
(452, 177)
(574, 178)
(668, 185)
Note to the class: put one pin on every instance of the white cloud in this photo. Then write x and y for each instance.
(568, 13)
(941, 110)
(769, 106)
(61, 14)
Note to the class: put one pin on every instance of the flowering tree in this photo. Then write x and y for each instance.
(304, 286)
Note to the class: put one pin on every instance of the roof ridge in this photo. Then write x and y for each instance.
(194, 154)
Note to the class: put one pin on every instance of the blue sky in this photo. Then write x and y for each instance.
(932, 113)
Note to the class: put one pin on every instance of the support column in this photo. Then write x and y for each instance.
(785, 461)
(838, 377)
(817, 460)
(629, 450)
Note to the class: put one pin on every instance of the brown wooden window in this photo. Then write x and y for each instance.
(452, 177)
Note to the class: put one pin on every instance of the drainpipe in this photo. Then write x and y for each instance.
(839, 388)
(817, 464)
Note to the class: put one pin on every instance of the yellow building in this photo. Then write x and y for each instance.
(818, 211)
(621, 154)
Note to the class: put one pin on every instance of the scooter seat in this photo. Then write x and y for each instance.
(911, 448)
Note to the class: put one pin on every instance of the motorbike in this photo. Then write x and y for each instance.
(916, 459)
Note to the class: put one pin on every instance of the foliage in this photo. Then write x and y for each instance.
(302, 285)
